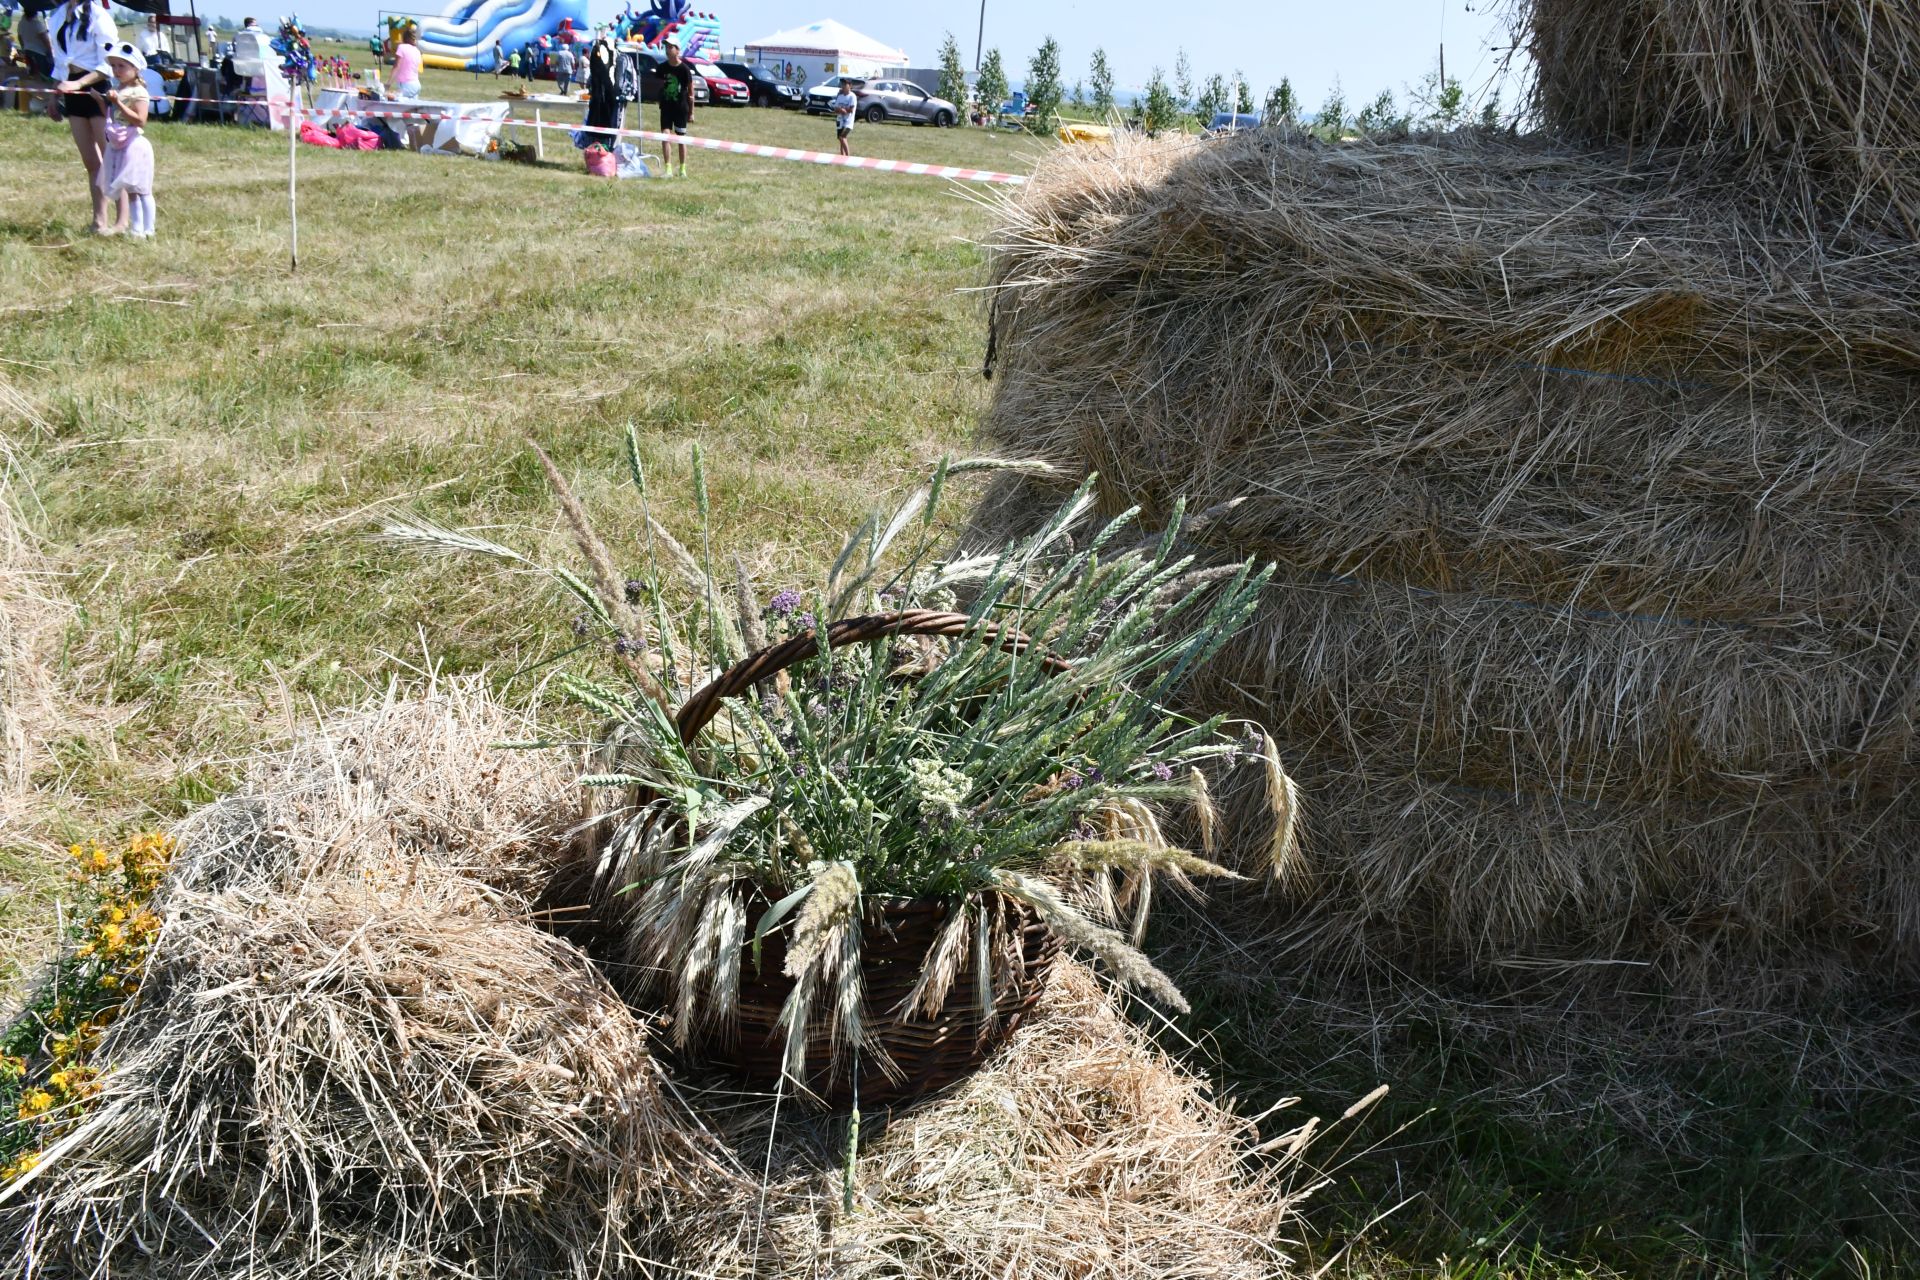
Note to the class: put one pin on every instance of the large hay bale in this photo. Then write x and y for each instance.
(1592, 498)
(1795, 84)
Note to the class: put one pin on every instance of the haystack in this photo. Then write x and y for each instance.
(1592, 497)
(1080, 1152)
(354, 1056)
(1814, 89)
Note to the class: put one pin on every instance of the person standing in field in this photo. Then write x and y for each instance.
(79, 33)
(561, 60)
(406, 64)
(676, 105)
(846, 105)
(128, 172)
(500, 64)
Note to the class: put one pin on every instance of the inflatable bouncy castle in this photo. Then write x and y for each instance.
(461, 37)
(698, 33)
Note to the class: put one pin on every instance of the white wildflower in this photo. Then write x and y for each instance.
(941, 791)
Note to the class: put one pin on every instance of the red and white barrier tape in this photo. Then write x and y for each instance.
(955, 172)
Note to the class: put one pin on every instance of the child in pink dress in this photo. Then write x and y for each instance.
(127, 175)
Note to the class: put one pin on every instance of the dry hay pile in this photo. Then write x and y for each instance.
(1592, 497)
(353, 1056)
(24, 616)
(1785, 88)
(1079, 1152)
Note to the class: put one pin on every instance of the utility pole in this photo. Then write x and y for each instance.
(980, 37)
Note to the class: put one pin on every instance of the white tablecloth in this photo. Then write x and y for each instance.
(459, 128)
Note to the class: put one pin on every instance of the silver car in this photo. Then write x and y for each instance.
(884, 100)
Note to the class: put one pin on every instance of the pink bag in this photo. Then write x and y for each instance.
(600, 162)
(357, 139)
(314, 135)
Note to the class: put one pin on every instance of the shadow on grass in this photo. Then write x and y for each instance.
(1570, 1125)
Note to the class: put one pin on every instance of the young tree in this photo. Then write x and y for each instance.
(1490, 113)
(1243, 103)
(1379, 116)
(1332, 119)
(1079, 93)
(1043, 85)
(992, 83)
(1159, 109)
(1182, 82)
(1443, 101)
(1283, 105)
(953, 73)
(1102, 77)
(1212, 98)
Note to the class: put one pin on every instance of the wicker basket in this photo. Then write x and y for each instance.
(920, 1054)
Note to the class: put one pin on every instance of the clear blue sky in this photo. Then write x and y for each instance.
(1368, 44)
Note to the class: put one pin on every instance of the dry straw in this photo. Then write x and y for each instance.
(1820, 88)
(1590, 487)
(354, 1057)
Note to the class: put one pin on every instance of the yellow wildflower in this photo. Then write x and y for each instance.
(21, 1167)
(37, 1103)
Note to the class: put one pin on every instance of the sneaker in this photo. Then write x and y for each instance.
(681, 172)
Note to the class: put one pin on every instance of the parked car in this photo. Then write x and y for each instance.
(764, 87)
(651, 60)
(1233, 122)
(721, 87)
(884, 100)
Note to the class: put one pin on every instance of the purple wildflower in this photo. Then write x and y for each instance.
(581, 625)
(804, 622)
(622, 645)
(799, 768)
(634, 588)
(1072, 780)
(783, 603)
(1162, 771)
(1096, 775)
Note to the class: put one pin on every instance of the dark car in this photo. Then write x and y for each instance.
(651, 60)
(1233, 122)
(766, 87)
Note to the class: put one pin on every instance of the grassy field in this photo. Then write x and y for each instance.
(220, 435)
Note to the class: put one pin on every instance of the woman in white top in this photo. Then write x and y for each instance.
(80, 32)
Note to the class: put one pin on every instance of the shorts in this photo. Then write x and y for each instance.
(842, 130)
(80, 106)
(407, 92)
(673, 122)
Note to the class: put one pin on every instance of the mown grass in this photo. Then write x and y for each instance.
(224, 432)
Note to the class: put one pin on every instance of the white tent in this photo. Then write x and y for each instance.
(826, 48)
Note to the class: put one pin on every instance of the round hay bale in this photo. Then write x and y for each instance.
(1590, 491)
(1817, 85)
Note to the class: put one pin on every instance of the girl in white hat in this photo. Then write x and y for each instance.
(128, 171)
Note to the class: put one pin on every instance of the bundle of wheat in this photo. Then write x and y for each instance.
(1824, 85)
(1591, 495)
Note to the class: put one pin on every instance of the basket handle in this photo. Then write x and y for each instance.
(699, 710)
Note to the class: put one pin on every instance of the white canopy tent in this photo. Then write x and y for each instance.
(823, 49)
